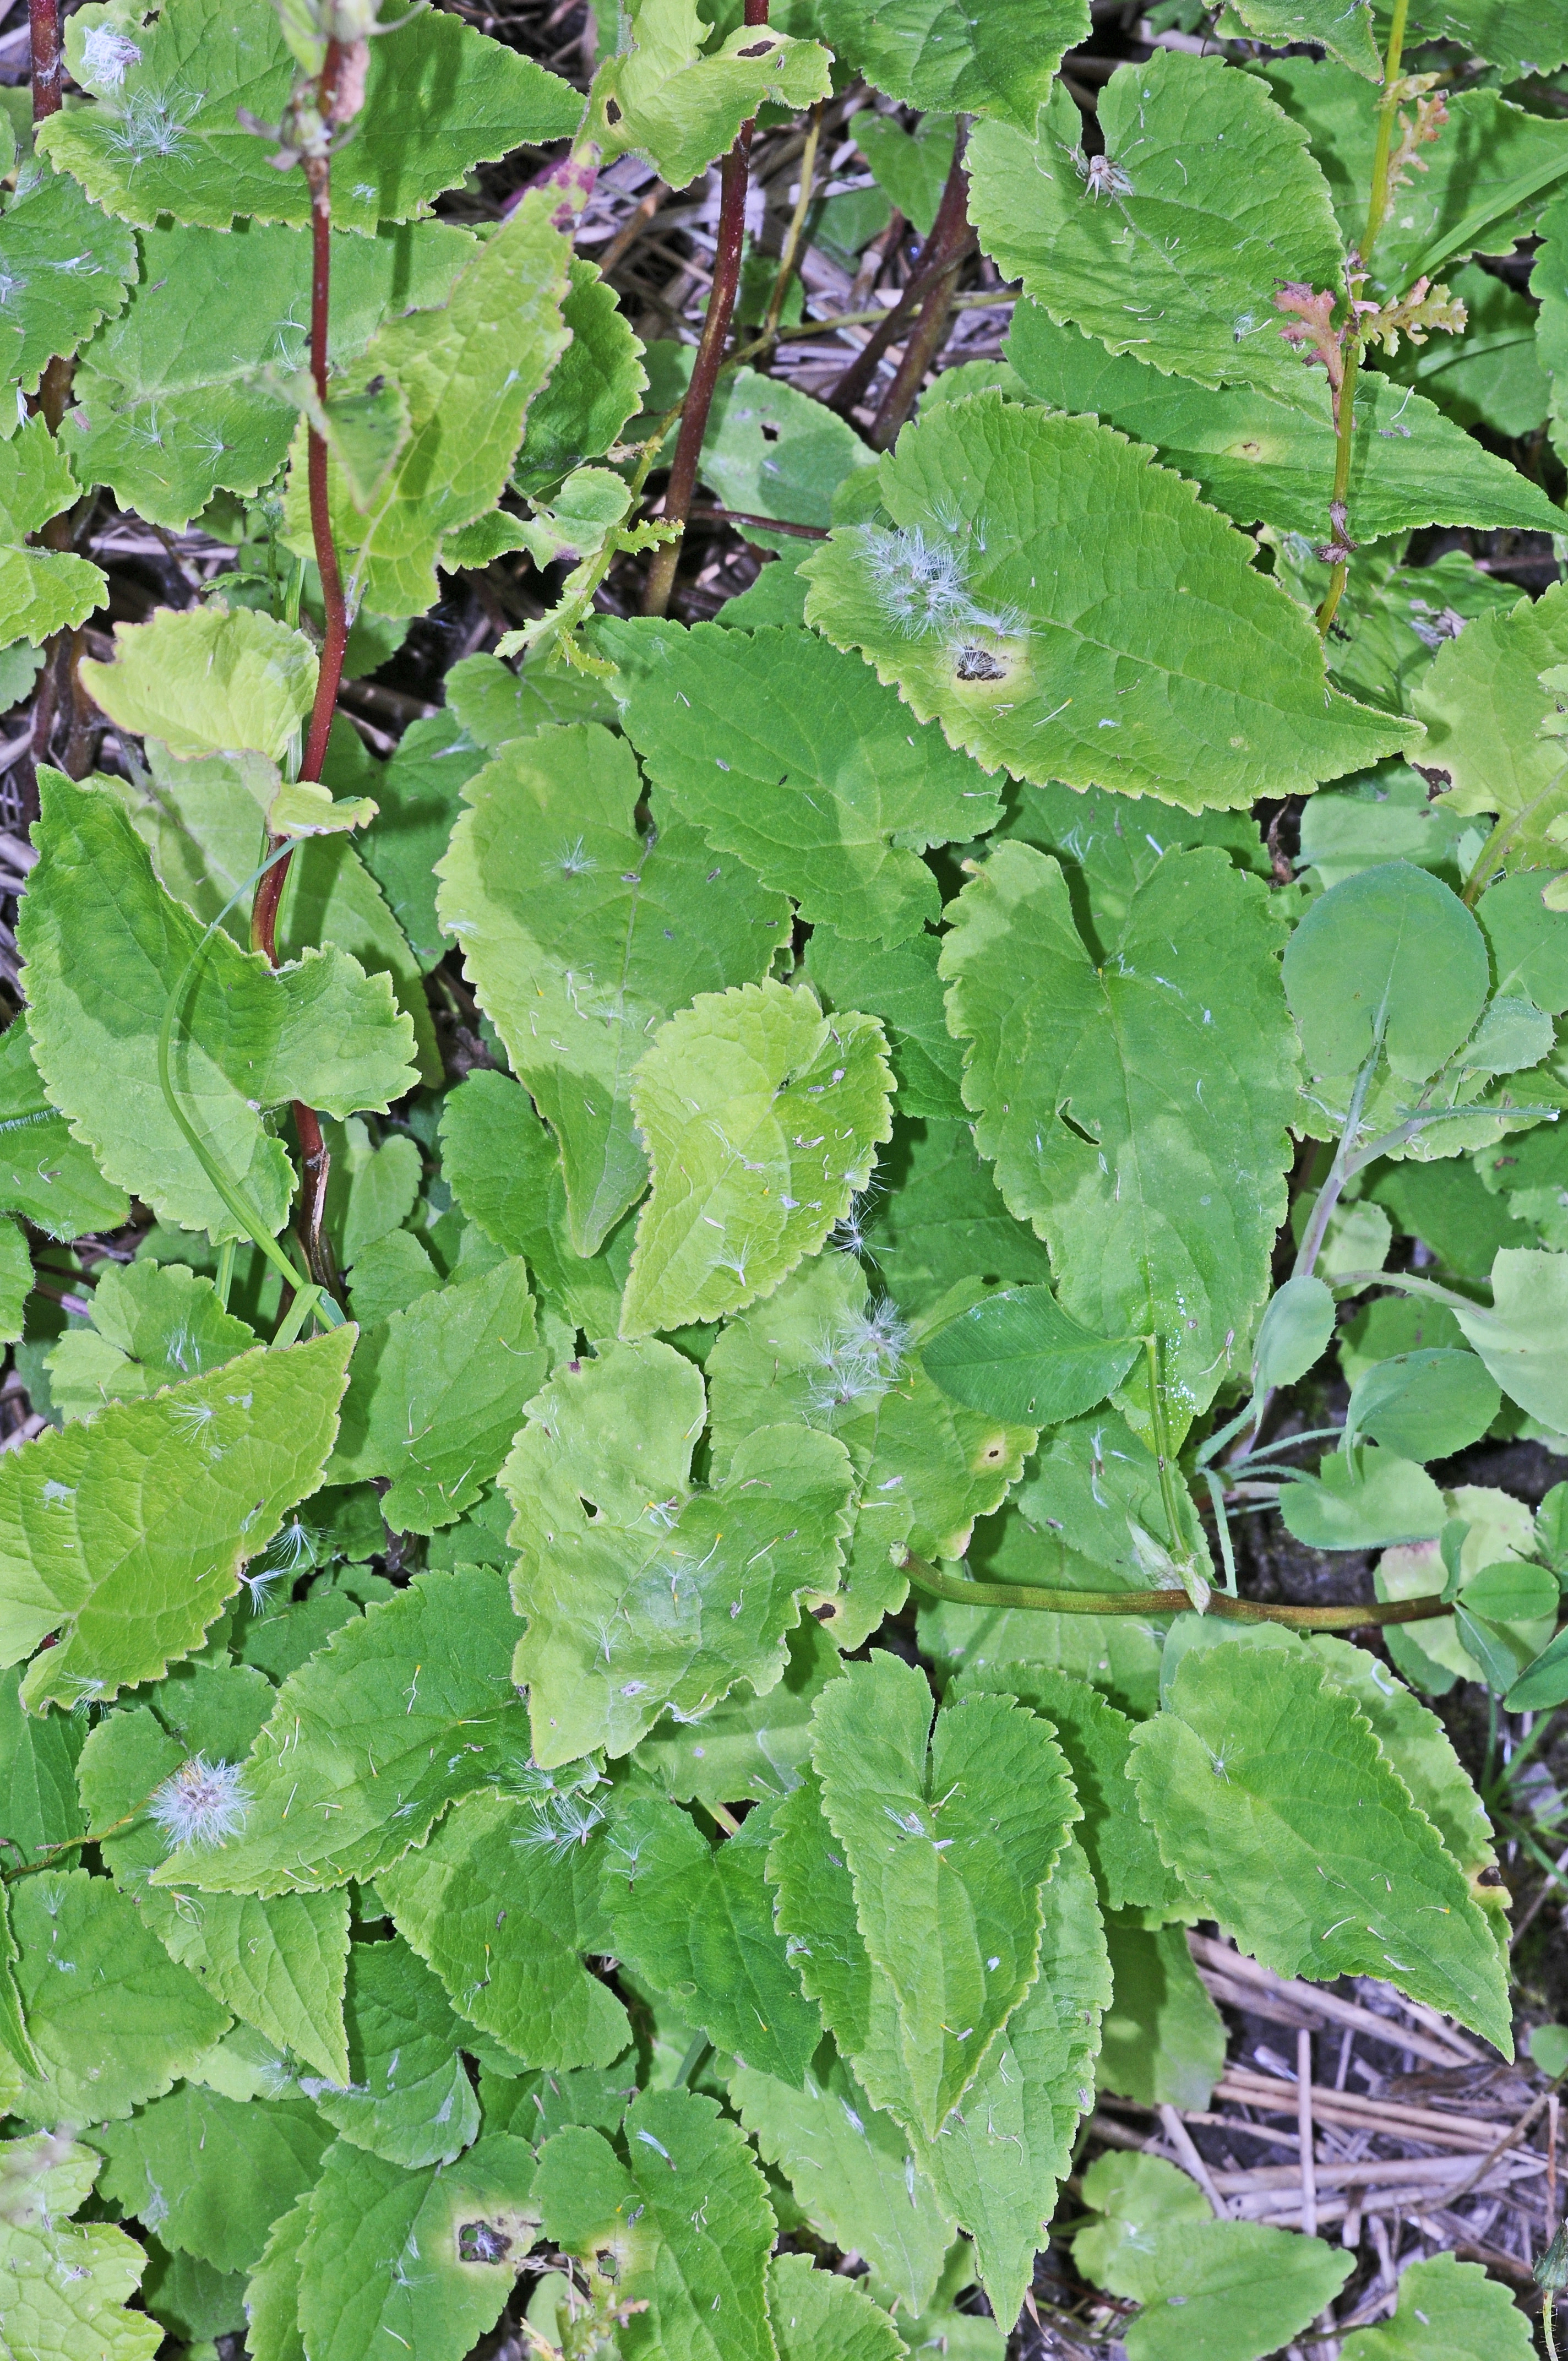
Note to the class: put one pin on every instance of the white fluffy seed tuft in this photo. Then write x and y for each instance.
(201, 1803)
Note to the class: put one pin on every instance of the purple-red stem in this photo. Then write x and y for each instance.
(944, 249)
(48, 57)
(682, 485)
(316, 1162)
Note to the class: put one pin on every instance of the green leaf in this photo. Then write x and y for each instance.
(1486, 179)
(664, 1596)
(852, 2171)
(38, 1805)
(1483, 704)
(1363, 1501)
(748, 1747)
(213, 2176)
(207, 681)
(1249, 1788)
(320, 1030)
(937, 55)
(1549, 284)
(594, 388)
(272, 2290)
(406, 2096)
(1543, 1682)
(821, 1351)
(1523, 37)
(1422, 1405)
(1388, 956)
(534, 1870)
(1138, 2197)
(153, 1325)
(88, 1548)
(1159, 1199)
(436, 1394)
(45, 1174)
(404, 1710)
(185, 391)
(469, 372)
(371, 1190)
(1449, 2307)
(1001, 2162)
(899, 985)
(112, 2018)
(1097, 1741)
(1230, 2291)
(1420, 1751)
(66, 268)
(687, 2219)
(661, 97)
(502, 1166)
(427, 2259)
(942, 1220)
(749, 1172)
(696, 1921)
(1096, 660)
(189, 2298)
(1207, 200)
(1528, 943)
(578, 950)
(1163, 2041)
(67, 2284)
(1494, 374)
(41, 590)
(818, 2316)
(1343, 27)
(1018, 1355)
(973, 1892)
(495, 705)
(1520, 1339)
(1293, 1334)
(278, 1964)
(789, 754)
(439, 99)
(910, 168)
(1269, 453)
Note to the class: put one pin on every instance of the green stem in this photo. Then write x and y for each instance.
(1344, 415)
(796, 227)
(1489, 859)
(965, 1593)
(1339, 1170)
(1178, 1545)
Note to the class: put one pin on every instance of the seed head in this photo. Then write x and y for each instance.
(201, 1804)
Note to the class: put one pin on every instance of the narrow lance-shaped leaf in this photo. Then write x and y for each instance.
(88, 1548)
(1149, 657)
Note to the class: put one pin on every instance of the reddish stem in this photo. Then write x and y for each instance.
(315, 1161)
(949, 242)
(682, 485)
(48, 57)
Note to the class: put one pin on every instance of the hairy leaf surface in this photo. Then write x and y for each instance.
(403, 1710)
(1148, 657)
(762, 1118)
(87, 1545)
(580, 937)
(502, 1902)
(1249, 1788)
